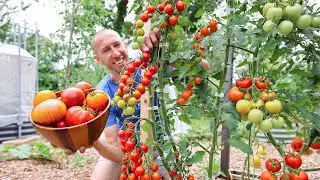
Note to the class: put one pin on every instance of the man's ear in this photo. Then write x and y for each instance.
(97, 59)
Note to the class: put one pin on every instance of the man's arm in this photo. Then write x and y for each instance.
(108, 145)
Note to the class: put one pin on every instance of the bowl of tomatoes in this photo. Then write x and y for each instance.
(71, 118)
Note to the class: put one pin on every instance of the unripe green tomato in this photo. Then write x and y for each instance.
(265, 125)
(140, 32)
(268, 26)
(315, 22)
(121, 104)
(285, 27)
(274, 13)
(304, 21)
(140, 39)
(116, 99)
(255, 115)
(293, 11)
(139, 23)
(278, 122)
(266, 7)
(136, 45)
(128, 110)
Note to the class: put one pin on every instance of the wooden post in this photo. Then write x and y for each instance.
(225, 152)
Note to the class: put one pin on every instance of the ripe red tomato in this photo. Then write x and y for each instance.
(296, 144)
(146, 57)
(148, 74)
(153, 70)
(197, 80)
(315, 144)
(273, 165)
(144, 17)
(173, 172)
(190, 177)
(121, 133)
(144, 148)
(136, 94)
(267, 176)
(134, 156)
(141, 88)
(132, 177)
(130, 145)
(61, 124)
(97, 100)
(213, 24)
(146, 177)
(262, 83)
(299, 176)
(139, 171)
(137, 62)
(73, 97)
(84, 86)
(160, 7)
(186, 94)
(145, 81)
(198, 36)
(151, 9)
(124, 79)
(204, 32)
(123, 177)
(131, 68)
(235, 94)
(156, 176)
(124, 168)
(181, 101)
(180, 6)
(173, 20)
(244, 82)
(168, 9)
(78, 117)
(154, 167)
(176, 155)
(293, 161)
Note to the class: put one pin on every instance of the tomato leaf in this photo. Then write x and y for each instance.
(243, 63)
(312, 117)
(239, 144)
(199, 13)
(185, 118)
(197, 157)
(42, 149)
(301, 72)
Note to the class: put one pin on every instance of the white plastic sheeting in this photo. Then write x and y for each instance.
(17, 84)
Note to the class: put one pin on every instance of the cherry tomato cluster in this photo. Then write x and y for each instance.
(139, 32)
(172, 15)
(128, 94)
(188, 92)
(251, 109)
(204, 32)
(174, 173)
(134, 161)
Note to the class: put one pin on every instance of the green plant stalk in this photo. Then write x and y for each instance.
(211, 153)
(163, 105)
(275, 144)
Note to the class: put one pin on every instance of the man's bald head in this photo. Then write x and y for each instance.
(100, 35)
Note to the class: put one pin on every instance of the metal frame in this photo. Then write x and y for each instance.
(17, 34)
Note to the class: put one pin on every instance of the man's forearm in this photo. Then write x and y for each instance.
(108, 150)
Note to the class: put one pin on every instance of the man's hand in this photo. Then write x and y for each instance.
(151, 41)
(82, 149)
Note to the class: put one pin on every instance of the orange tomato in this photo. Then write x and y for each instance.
(42, 96)
(49, 111)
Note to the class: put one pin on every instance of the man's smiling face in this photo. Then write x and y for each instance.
(110, 51)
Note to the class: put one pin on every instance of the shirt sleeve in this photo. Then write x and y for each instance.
(112, 119)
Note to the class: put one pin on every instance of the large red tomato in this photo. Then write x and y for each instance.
(49, 111)
(244, 82)
(84, 86)
(97, 100)
(78, 116)
(73, 97)
(315, 144)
